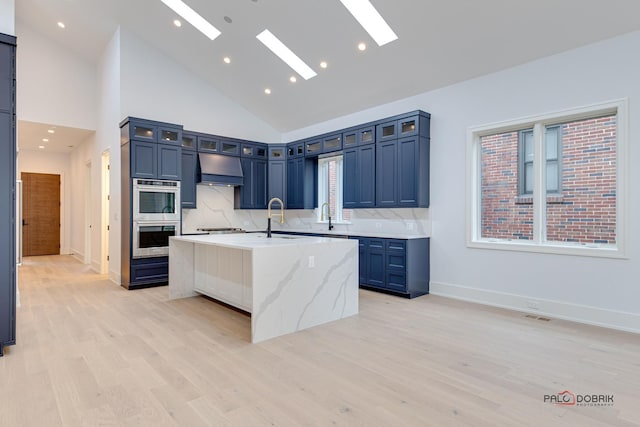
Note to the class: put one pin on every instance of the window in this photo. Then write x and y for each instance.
(553, 138)
(330, 190)
(577, 157)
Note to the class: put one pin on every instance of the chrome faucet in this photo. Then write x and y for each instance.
(328, 214)
(275, 199)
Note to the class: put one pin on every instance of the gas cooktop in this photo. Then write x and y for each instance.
(226, 230)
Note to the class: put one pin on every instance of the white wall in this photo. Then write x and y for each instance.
(595, 290)
(54, 85)
(58, 164)
(7, 17)
(79, 158)
(156, 87)
(108, 138)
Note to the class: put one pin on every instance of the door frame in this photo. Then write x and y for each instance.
(88, 212)
(105, 206)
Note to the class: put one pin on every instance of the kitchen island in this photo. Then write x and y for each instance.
(287, 283)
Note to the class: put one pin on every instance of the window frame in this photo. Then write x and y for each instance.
(522, 163)
(538, 123)
(323, 188)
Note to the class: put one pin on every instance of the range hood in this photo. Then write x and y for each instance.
(217, 169)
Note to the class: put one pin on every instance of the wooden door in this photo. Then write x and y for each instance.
(40, 214)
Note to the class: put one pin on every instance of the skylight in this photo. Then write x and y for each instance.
(192, 17)
(284, 53)
(371, 20)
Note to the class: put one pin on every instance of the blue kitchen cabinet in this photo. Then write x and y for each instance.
(402, 162)
(295, 188)
(208, 143)
(147, 272)
(253, 193)
(188, 193)
(144, 159)
(376, 263)
(7, 191)
(359, 177)
(277, 174)
(169, 162)
(331, 143)
(397, 266)
(229, 147)
(302, 180)
(387, 174)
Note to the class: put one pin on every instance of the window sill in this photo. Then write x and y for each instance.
(572, 249)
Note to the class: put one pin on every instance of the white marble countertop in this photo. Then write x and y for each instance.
(381, 235)
(252, 240)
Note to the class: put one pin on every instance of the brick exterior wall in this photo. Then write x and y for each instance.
(584, 212)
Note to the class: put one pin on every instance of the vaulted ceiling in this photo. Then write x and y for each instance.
(440, 43)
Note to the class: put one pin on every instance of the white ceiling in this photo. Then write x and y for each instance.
(440, 43)
(63, 140)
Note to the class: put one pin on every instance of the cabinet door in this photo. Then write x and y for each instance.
(366, 135)
(144, 159)
(363, 258)
(408, 172)
(169, 162)
(168, 135)
(293, 202)
(366, 184)
(386, 174)
(387, 131)
(376, 263)
(188, 181)
(260, 184)
(277, 180)
(350, 179)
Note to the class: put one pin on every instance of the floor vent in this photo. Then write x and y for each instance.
(533, 316)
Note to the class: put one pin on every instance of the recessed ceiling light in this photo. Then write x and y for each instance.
(371, 20)
(323, 64)
(41, 147)
(284, 53)
(177, 23)
(61, 25)
(51, 131)
(192, 17)
(228, 20)
(267, 91)
(362, 46)
(45, 140)
(293, 79)
(226, 60)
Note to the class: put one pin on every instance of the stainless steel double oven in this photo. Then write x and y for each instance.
(156, 216)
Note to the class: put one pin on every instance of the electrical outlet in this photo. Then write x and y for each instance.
(312, 261)
(378, 225)
(533, 305)
(409, 226)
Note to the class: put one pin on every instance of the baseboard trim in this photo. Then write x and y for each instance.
(95, 267)
(115, 277)
(78, 256)
(619, 320)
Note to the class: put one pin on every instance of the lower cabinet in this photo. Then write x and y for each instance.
(147, 272)
(394, 265)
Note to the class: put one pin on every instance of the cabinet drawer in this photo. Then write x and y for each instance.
(396, 261)
(396, 281)
(150, 272)
(375, 244)
(396, 245)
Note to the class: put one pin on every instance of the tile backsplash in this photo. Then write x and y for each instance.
(215, 209)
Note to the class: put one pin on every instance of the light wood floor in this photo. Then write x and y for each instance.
(92, 353)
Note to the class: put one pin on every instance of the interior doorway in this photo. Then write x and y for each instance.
(40, 214)
(88, 213)
(106, 167)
